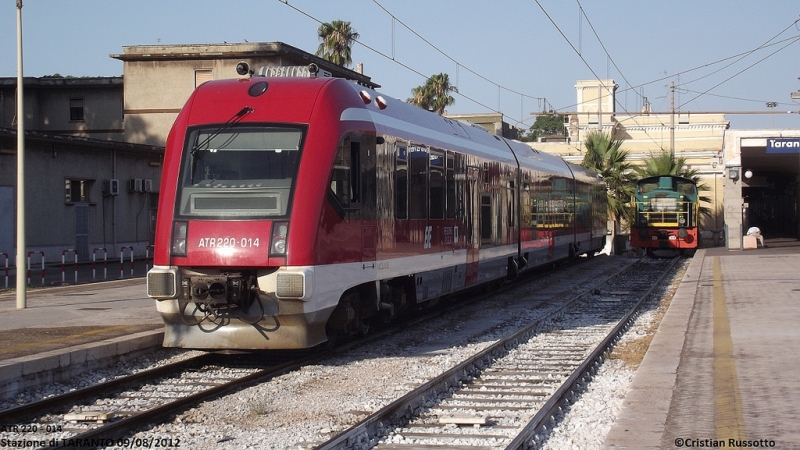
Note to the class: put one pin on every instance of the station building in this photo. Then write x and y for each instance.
(752, 175)
(87, 191)
(762, 176)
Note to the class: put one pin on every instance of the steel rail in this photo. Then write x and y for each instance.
(132, 422)
(548, 411)
(14, 414)
(414, 400)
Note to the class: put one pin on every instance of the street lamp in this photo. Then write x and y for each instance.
(22, 284)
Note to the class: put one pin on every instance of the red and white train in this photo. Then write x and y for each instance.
(296, 209)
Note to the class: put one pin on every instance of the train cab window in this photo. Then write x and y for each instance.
(345, 179)
(242, 171)
(644, 188)
(686, 188)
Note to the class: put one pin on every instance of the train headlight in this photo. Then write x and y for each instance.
(643, 233)
(277, 246)
(290, 285)
(683, 233)
(161, 283)
(243, 69)
(180, 230)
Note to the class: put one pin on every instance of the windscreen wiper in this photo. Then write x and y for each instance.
(236, 118)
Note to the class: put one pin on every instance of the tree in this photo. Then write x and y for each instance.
(434, 94)
(667, 163)
(337, 40)
(605, 156)
(546, 125)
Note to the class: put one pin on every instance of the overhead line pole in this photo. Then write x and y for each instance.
(21, 287)
(672, 118)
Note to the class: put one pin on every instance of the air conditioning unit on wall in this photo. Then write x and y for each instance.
(111, 187)
(135, 185)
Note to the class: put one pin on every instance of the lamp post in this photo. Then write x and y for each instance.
(22, 284)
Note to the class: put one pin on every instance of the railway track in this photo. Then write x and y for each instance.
(112, 410)
(106, 413)
(505, 395)
(125, 405)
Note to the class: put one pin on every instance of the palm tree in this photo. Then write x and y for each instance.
(434, 94)
(667, 163)
(421, 97)
(605, 156)
(337, 40)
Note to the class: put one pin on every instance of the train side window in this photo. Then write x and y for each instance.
(418, 183)
(512, 205)
(526, 216)
(355, 172)
(450, 194)
(486, 219)
(401, 184)
(436, 186)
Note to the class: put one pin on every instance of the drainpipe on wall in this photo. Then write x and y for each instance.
(114, 201)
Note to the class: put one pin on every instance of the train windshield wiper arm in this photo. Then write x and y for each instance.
(236, 118)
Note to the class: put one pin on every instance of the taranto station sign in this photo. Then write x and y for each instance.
(783, 145)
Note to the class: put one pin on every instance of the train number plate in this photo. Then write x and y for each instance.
(228, 242)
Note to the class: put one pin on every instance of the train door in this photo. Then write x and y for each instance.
(454, 202)
(353, 186)
(472, 223)
(527, 231)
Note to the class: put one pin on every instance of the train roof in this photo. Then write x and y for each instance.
(355, 103)
(401, 118)
(655, 178)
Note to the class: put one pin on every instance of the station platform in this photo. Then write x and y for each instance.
(69, 329)
(722, 369)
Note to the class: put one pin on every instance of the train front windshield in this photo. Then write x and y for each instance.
(238, 172)
(684, 187)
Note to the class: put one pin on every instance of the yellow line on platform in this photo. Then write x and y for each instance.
(728, 414)
(61, 339)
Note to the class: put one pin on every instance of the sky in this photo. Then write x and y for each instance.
(518, 57)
